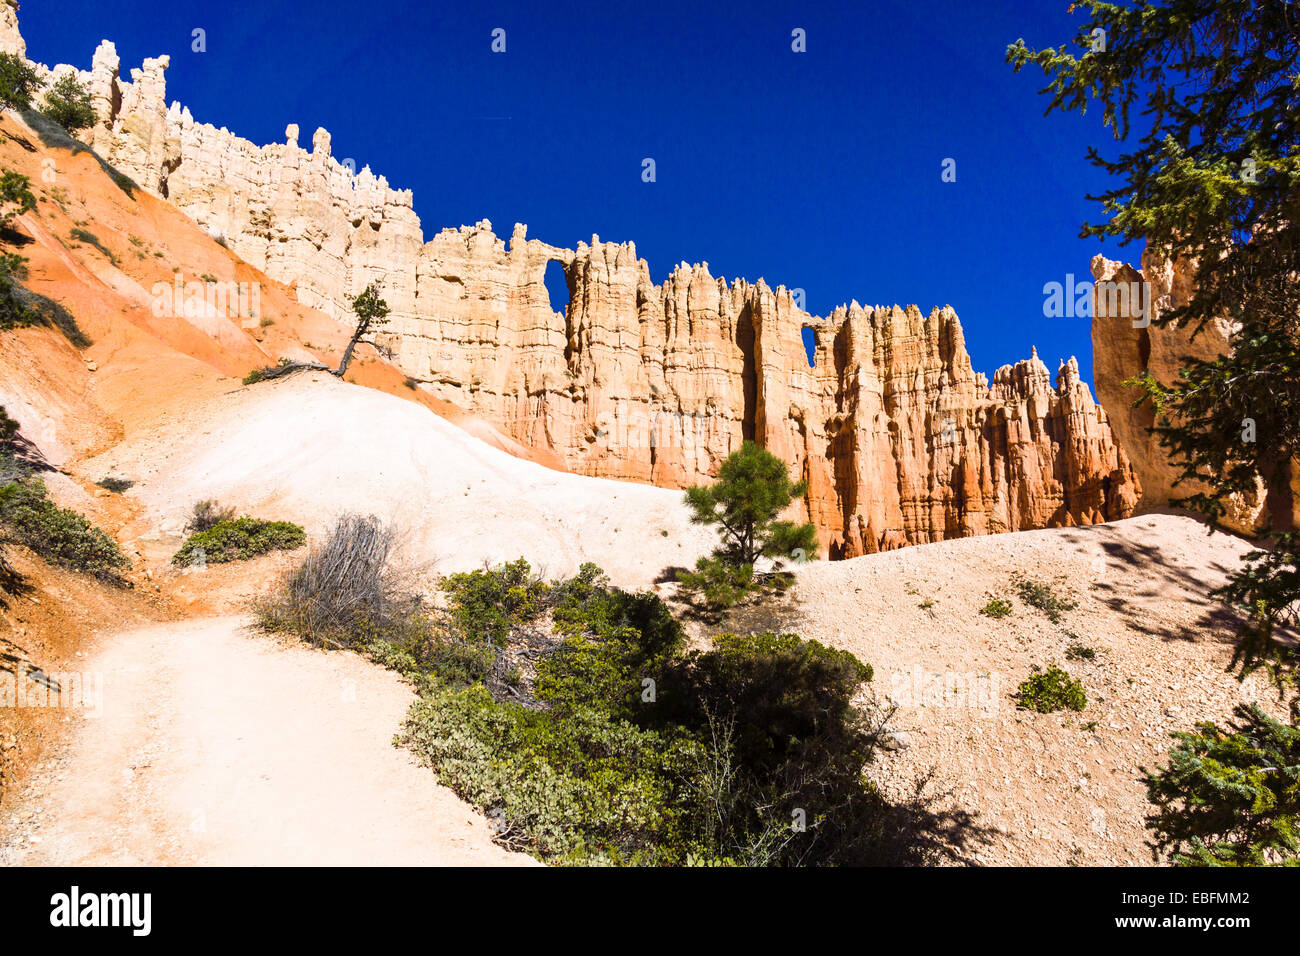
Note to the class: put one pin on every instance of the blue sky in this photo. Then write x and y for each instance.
(819, 170)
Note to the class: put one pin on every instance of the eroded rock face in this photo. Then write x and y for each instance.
(1126, 342)
(901, 442)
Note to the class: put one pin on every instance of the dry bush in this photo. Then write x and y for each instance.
(206, 515)
(345, 594)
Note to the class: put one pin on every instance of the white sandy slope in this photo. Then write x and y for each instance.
(309, 448)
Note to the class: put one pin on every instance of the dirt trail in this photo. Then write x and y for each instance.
(215, 746)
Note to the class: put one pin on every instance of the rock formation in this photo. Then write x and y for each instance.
(901, 441)
(1126, 342)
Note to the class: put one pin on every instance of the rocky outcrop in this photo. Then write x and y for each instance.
(900, 440)
(304, 218)
(11, 40)
(1127, 342)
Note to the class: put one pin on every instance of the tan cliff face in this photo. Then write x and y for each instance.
(1126, 342)
(900, 440)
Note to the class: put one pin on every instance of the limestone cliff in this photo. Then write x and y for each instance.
(1126, 342)
(901, 441)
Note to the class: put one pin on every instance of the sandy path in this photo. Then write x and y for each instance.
(214, 746)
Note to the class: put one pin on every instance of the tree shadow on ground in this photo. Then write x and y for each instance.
(917, 831)
(54, 136)
(1139, 577)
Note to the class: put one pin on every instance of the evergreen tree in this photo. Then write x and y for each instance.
(371, 312)
(1213, 178)
(68, 104)
(18, 83)
(753, 487)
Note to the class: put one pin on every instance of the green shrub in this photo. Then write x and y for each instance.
(1042, 597)
(638, 752)
(59, 535)
(1050, 690)
(90, 239)
(1080, 652)
(68, 103)
(996, 608)
(115, 485)
(488, 603)
(238, 540)
(573, 715)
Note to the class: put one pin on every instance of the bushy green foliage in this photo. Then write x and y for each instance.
(1080, 652)
(1049, 690)
(59, 535)
(1230, 797)
(115, 485)
(1039, 595)
(996, 608)
(238, 540)
(18, 82)
(716, 584)
(68, 103)
(488, 603)
(619, 746)
(570, 787)
(712, 751)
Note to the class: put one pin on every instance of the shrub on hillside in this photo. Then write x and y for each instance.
(344, 593)
(1049, 690)
(996, 608)
(115, 485)
(608, 742)
(643, 753)
(1041, 596)
(207, 514)
(68, 103)
(59, 535)
(238, 540)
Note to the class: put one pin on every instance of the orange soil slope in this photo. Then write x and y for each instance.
(143, 366)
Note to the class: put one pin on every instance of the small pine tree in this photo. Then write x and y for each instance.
(753, 487)
(372, 313)
(68, 104)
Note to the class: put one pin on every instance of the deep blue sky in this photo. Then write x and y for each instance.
(818, 170)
